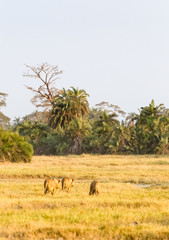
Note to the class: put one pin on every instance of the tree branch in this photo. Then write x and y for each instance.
(46, 92)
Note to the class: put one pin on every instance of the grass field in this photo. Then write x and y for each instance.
(132, 189)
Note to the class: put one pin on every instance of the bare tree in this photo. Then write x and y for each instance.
(110, 108)
(46, 74)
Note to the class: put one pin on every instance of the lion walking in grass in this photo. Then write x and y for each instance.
(67, 183)
(94, 188)
(51, 185)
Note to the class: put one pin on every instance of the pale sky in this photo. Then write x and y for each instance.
(117, 50)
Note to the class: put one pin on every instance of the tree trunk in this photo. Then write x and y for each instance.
(76, 148)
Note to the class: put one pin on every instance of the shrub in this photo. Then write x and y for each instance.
(14, 148)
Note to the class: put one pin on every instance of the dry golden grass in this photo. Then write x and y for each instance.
(26, 213)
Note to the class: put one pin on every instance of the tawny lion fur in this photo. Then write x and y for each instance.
(94, 188)
(67, 183)
(51, 185)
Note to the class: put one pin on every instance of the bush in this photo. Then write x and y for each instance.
(14, 148)
(55, 144)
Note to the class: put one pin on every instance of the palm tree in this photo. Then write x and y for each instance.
(68, 104)
(33, 132)
(77, 129)
(103, 130)
(151, 111)
(130, 120)
(152, 127)
(80, 105)
(106, 120)
(60, 113)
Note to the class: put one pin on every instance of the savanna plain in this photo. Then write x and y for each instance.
(133, 202)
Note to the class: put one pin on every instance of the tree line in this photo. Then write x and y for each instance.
(66, 124)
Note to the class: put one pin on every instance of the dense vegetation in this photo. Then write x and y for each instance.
(13, 147)
(66, 124)
(99, 131)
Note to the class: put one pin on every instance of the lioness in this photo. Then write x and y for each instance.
(50, 185)
(94, 188)
(67, 183)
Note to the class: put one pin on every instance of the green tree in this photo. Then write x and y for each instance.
(14, 148)
(34, 132)
(103, 129)
(69, 108)
(122, 140)
(79, 102)
(68, 104)
(4, 120)
(152, 129)
(77, 130)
